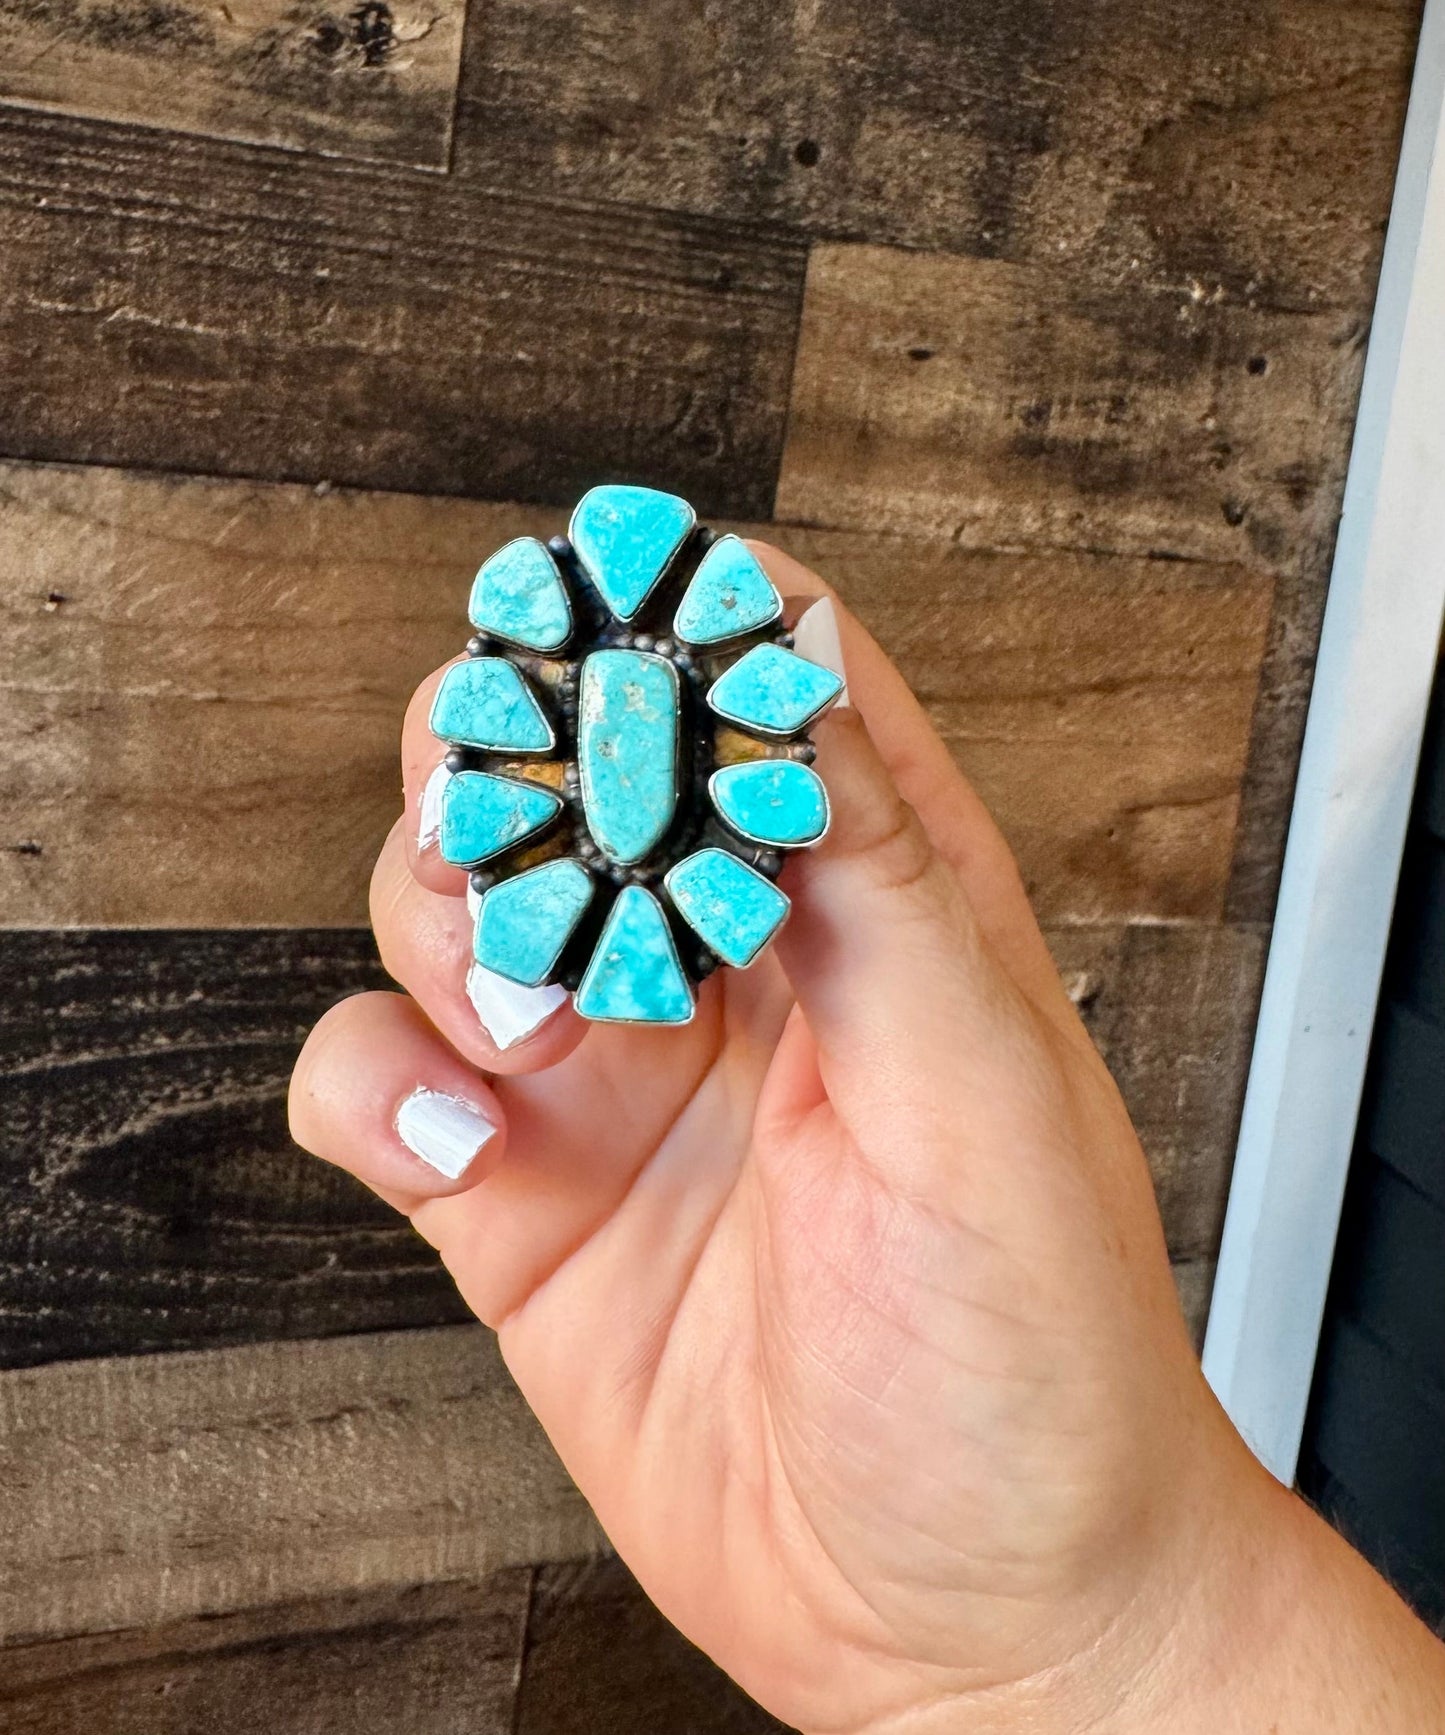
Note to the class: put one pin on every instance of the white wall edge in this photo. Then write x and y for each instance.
(1367, 712)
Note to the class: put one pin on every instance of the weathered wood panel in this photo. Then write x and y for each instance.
(601, 1660)
(148, 1489)
(150, 1198)
(377, 79)
(1018, 406)
(204, 682)
(1005, 406)
(426, 1660)
(186, 304)
(1172, 1010)
(1122, 139)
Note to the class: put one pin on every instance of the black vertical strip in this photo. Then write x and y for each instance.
(1371, 1454)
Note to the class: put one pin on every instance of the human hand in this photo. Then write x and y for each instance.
(847, 1306)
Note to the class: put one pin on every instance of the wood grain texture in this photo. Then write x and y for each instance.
(142, 1490)
(1172, 1010)
(427, 1660)
(186, 304)
(1005, 406)
(1019, 407)
(376, 79)
(1121, 139)
(1102, 705)
(601, 1660)
(150, 1198)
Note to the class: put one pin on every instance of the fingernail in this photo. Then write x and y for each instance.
(429, 820)
(443, 1131)
(510, 1013)
(816, 637)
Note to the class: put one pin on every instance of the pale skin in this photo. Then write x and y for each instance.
(848, 1305)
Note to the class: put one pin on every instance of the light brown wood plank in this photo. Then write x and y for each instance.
(601, 1660)
(375, 80)
(1251, 147)
(427, 1660)
(204, 683)
(1003, 406)
(150, 1489)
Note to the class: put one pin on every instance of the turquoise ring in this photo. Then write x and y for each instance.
(628, 757)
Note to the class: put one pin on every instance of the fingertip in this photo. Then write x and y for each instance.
(378, 1093)
(424, 779)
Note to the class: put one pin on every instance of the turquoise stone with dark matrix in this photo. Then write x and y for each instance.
(627, 750)
(482, 815)
(635, 976)
(523, 923)
(519, 596)
(728, 595)
(773, 691)
(773, 801)
(485, 703)
(730, 908)
(626, 539)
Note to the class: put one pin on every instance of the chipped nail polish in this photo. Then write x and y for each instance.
(429, 819)
(510, 1013)
(442, 1130)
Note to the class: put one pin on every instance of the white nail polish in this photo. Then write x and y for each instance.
(474, 900)
(816, 638)
(443, 1131)
(429, 819)
(510, 1013)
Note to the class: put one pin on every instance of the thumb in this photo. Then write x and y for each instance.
(890, 967)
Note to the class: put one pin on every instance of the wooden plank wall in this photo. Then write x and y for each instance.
(1038, 328)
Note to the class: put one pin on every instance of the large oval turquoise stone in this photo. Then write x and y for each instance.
(775, 801)
(627, 747)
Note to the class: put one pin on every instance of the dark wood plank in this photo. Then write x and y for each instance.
(153, 1199)
(376, 79)
(430, 1660)
(1102, 704)
(140, 1490)
(184, 304)
(600, 1660)
(1120, 139)
(150, 1198)
(1172, 1009)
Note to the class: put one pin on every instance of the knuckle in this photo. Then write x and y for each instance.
(896, 851)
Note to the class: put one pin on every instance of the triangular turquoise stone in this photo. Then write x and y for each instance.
(773, 691)
(485, 703)
(775, 801)
(625, 538)
(483, 815)
(524, 923)
(728, 595)
(727, 905)
(519, 596)
(635, 976)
